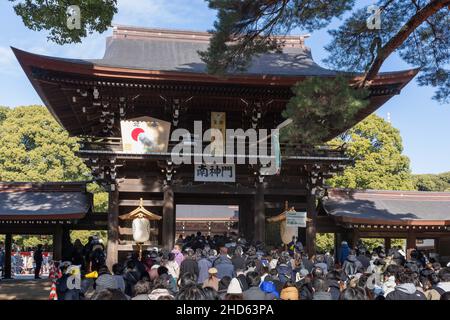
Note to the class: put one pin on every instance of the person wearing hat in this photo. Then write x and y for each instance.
(234, 291)
(343, 252)
(213, 280)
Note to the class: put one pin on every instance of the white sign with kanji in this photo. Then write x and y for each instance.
(215, 173)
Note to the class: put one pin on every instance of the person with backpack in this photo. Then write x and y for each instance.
(97, 258)
(444, 281)
(405, 288)
(351, 264)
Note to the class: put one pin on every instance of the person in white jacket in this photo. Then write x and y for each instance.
(172, 266)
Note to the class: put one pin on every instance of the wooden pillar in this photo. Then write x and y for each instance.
(8, 251)
(311, 231)
(355, 238)
(410, 243)
(246, 219)
(168, 221)
(259, 216)
(66, 243)
(57, 243)
(387, 244)
(337, 246)
(112, 250)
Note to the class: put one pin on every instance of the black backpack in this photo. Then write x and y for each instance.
(98, 257)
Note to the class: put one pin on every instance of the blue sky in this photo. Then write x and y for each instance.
(424, 124)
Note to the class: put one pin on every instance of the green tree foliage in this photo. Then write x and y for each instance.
(25, 242)
(83, 235)
(372, 243)
(320, 108)
(377, 149)
(3, 113)
(432, 182)
(34, 147)
(417, 30)
(52, 15)
(324, 242)
(100, 197)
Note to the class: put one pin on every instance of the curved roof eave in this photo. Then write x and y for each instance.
(88, 68)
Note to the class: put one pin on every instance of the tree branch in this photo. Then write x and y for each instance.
(397, 40)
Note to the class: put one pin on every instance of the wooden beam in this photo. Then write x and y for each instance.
(311, 227)
(57, 243)
(146, 203)
(113, 227)
(168, 221)
(259, 216)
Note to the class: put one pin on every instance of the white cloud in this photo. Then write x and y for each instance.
(184, 14)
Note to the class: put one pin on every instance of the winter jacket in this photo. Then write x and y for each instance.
(322, 296)
(406, 291)
(189, 265)
(335, 289)
(131, 277)
(178, 256)
(284, 273)
(203, 266)
(351, 265)
(224, 267)
(242, 281)
(238, 262)
(255, 293)
(443, 286)
(344, 252)
(365, 261)
(173, 269)
(389, 285)
(322, 266)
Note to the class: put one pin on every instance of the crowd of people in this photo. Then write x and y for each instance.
(227, 268)
(30, 261)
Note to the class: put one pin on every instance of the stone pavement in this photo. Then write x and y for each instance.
(24, 289)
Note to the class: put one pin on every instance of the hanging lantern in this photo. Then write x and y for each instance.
(141, 230)
(141, 224)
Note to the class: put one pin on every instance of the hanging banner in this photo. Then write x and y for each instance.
(145, 135)
(276, 151)
(296, 219)
(218, 121)
(215, 173)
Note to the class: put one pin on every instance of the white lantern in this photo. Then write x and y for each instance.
(141, 230)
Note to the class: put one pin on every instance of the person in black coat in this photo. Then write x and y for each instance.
(189, 264)
(405, 289)
(38, 260)
(238, 260)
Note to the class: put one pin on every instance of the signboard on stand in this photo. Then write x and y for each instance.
(296, 219)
